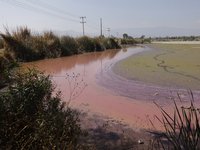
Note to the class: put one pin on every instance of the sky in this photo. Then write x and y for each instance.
(64, 15)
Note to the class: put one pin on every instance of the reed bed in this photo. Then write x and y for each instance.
(29, 47)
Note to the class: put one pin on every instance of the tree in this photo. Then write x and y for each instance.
(143, 36)
(125, 36)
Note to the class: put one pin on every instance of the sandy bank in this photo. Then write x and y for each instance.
(176, 42)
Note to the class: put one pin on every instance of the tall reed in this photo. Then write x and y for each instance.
(30, 47)
(182, 131)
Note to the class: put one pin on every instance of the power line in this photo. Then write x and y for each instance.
(31, 8)
(52, 8)
(36, 2)
(95, 28)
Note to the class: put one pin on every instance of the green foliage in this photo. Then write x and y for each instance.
(142, 37)
(1, 43)
(97, 45)
(177, 38)
(145, 41)
(85, 44)
(125, 36)
(182, 131)
(68, 46)
(113, 44)
(32, 118)
(6, 62)
(128, 41)
(104, 43)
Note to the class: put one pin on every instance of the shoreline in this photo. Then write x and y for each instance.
(141, 93)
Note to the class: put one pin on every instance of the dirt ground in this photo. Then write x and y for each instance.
(108, 133)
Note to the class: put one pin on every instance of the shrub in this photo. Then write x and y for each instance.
(144, 41)
(104, 43)
(108, 43)
(85, 44)
(68, 46)
(1, 43)
(128, 41)
(114, 44)
(31, 118)
(6, 62)
(97, 45)
(51, 45)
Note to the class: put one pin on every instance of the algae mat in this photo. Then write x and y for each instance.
(174, 65)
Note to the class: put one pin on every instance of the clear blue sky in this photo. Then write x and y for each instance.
(116, 14)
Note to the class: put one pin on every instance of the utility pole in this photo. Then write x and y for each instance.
(108, 32)
(83, 24)
(101, 25)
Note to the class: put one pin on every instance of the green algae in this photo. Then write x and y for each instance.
(174, 65)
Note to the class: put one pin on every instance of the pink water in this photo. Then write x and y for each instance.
(107, 94)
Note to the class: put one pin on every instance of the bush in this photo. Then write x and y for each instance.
(85, 44)
(31, 118)
(97, 45)
(51, 45)
(6, 62)
(104, 43)
(1, 44)
(68, 46)
(114, 44)
(128, 41)
(145, 41)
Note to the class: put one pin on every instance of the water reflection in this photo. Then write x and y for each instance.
(58, 65)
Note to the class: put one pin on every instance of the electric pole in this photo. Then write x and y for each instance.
(101, 25)
(83, 24)
(108, 32)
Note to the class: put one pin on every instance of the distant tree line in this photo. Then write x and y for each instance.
(130, 40)
(177, 38)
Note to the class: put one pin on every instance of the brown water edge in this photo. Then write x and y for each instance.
(104, 94)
